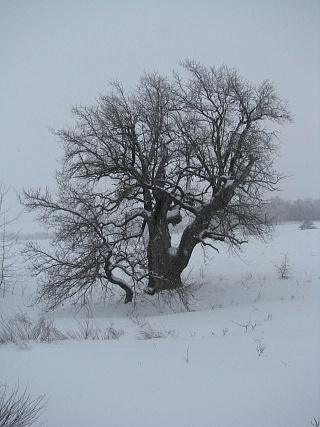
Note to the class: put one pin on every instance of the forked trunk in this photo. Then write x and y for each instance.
(165, 263)
(164, 271)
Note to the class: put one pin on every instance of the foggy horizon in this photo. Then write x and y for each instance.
(57, 54)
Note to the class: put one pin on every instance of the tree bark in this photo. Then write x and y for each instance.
(164, 271)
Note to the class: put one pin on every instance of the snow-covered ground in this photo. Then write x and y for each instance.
(247, 354)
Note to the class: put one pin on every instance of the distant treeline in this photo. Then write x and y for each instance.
(11, 236)
(297, 210)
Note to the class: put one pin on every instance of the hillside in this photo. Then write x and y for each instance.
(245, 354)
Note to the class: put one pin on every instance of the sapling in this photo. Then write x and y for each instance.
(186, 358)
(261, 348)
(283, 269)
(244, 325)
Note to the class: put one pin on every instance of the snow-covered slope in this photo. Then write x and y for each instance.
(246, 355)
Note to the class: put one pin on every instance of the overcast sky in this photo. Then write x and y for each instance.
(58, 53)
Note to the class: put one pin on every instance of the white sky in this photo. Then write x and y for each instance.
(57, 53)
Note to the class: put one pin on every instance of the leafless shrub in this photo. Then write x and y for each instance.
(245, 325)
(19, 409)
(112, 334)
(261, 348)
(247, 281)
(88, 329)
(186, 358)
(283, 268)
(307, 225)
(315, 422)
(215, 306)
(20, 327)
(138, 320)
(148, 332)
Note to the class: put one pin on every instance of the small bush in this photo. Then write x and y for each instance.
(147, 332)
(307, 225)
(87, 329)
(261, 348)
(20, 328)
(139, 321)
(283, 268)
(19, 410)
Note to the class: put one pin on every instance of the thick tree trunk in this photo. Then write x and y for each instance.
(164, 271)
(165, 263)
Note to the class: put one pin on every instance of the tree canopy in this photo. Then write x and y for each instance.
(194, 150)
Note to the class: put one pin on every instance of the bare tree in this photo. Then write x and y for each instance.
(193, 150)
(8, 245)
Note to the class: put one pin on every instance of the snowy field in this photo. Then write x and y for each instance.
(246, 354)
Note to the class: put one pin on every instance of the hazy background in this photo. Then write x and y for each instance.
(57, 53)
